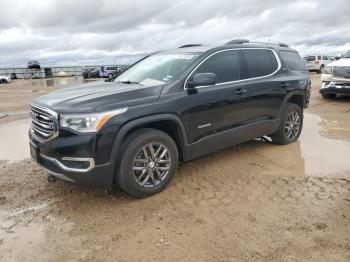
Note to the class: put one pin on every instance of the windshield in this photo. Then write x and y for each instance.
(347, 55)
(157, 69)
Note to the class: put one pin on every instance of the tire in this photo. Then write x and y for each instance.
(3, 81)
(320, 71)
(110, 75)
(329, 96)
(283, 135)
(132, 174)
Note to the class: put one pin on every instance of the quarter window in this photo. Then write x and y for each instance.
(259, 62)
(293, 61)
(224, 64)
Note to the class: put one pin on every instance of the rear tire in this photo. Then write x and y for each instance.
(290, 126)
(149, 159)
(329, 96)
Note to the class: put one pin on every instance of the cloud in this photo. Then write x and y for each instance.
(80, 32)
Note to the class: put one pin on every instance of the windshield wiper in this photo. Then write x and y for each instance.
(128, 82)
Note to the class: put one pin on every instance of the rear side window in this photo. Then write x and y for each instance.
(310, 58)
(259, 62)
(293, 61)
(224, 64)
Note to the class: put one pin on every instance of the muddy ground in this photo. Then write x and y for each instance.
(254, 202)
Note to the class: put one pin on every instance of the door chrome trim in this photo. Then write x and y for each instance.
(203, 126)
(236, 81)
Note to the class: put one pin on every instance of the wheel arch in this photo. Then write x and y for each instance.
(168, 123)
(297, 98)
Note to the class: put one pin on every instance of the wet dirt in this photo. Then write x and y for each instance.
(14, 140)
(253, 202)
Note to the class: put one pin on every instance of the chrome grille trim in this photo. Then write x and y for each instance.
(43, 123)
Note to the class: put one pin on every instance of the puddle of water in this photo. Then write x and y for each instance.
(320, 151)
(325, 145)
(14, 141)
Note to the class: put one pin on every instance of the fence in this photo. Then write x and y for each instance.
(53, 71)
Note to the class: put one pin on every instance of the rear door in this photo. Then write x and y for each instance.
(265, 88)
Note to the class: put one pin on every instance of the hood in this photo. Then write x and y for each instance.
(341, 62)
(97, 97)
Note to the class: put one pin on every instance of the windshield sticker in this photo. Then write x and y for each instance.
(184, 57)
(152, 82)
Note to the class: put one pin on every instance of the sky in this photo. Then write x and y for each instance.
(77, 32)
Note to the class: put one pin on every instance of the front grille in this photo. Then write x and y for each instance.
(43, 123)
(341, 71)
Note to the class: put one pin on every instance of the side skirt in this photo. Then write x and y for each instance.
(230, 137)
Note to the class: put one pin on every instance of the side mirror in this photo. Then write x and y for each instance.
(202, 79)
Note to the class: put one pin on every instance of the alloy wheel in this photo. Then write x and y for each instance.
(292, 125)
(151, 164)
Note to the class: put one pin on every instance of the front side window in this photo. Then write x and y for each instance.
(225, 65)
(158, 69)
(293, 61)
(259, 62)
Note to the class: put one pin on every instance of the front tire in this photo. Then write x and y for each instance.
(329, 96)
(290, 126)
(148, 163)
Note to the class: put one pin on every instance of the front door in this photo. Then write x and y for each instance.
(213, 109)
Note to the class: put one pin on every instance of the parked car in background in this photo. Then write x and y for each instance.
(33, 65)
(317, 63)
(168, 107)
(111, 71)
(91, 73)
(5, 79)
(336, 77)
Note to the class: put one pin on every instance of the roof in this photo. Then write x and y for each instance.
(205, 48)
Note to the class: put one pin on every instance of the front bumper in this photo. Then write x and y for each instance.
(80, 167)
(335, 88)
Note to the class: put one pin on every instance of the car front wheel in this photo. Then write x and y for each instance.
(149, 161)
(329, 96)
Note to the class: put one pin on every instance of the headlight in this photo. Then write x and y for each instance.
(88, 122)
(327, 70)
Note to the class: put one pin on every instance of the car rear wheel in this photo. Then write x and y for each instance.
(110, 75)
(290, 126)
(149, 161)
(3, 81)
(321, 70)
(329, 96)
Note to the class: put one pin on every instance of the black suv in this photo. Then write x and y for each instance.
(168, 107)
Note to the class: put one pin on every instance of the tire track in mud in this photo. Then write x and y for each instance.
(260, 189)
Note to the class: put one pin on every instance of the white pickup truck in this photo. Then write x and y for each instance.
(336, 78)
(4, 79)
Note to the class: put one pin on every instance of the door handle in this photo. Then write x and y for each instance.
(284, 84)
(240, 91)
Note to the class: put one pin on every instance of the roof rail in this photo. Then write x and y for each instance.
(245, 41)
(283, 44)
(237, 41)
(189, 45)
